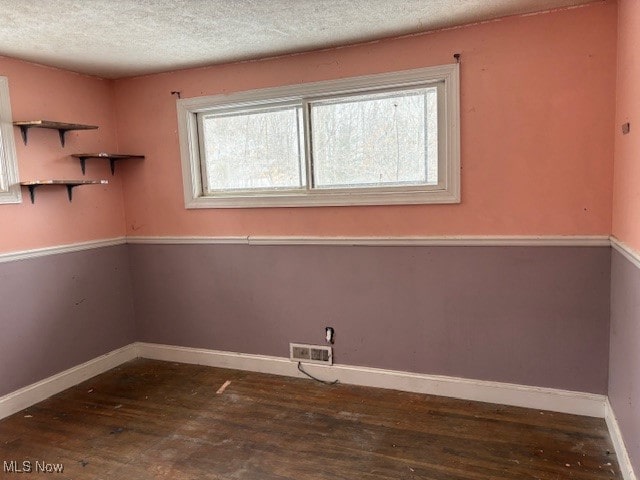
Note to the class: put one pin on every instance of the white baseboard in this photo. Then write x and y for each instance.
(618, 442)
(36, 392)
(555, 400)
(564, 401)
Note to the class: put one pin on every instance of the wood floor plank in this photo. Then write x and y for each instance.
(148, 419)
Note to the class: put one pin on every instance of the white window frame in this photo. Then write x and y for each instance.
(447, 190)
(8, 156)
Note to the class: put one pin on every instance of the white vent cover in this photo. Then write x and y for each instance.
(300, 352)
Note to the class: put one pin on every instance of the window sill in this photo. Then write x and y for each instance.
(324, 199)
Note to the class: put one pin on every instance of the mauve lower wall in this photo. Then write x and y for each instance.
(526, 315)
(624, 370)
(59, 311)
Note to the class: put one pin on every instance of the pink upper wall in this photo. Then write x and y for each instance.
(537, 105)
(37, 93)
(626, 200)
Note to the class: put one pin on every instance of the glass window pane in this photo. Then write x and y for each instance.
(254, 149)
(382, 140)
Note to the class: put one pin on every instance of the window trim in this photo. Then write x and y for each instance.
(448, 125)
(8, 156)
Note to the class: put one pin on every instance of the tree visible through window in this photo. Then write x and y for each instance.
(258, 149)
(385, 139)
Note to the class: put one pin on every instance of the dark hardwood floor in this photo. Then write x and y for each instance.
(149, 419)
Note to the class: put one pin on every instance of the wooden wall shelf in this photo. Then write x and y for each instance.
(112, 157)
(70, 184)
(61, 127)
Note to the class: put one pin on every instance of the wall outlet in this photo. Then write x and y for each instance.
(300, 352)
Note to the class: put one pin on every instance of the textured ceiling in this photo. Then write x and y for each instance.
(117, 38)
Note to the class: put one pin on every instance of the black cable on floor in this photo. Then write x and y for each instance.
(314, 378)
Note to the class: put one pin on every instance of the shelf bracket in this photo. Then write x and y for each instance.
(83, 165)
(62, 132)
(70, 191)
(112, 157)
(32, 192)
(68, 184)
(24, 129)
(24, 132)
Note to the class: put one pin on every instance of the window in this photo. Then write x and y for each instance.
(9, 187)
(374, 140)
